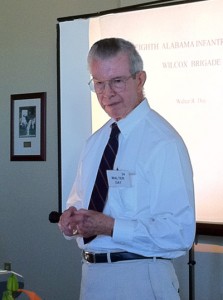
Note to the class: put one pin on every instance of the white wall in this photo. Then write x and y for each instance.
(29, 190)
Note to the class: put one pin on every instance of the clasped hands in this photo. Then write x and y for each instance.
(85, 223)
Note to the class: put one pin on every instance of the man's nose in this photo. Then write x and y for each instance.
(108, 90)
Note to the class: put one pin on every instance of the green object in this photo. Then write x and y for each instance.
(12, 283)
(7, 295)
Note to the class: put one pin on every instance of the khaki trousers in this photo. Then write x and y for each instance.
(146, 279)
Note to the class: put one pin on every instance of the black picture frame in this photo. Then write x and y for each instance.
(28, 127)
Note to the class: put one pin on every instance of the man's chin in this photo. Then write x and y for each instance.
(114, 116)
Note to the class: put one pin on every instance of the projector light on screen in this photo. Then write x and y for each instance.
(182, 49)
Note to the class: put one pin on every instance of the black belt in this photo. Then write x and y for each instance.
(113, 257)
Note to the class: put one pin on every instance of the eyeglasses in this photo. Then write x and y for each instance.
(117, 84)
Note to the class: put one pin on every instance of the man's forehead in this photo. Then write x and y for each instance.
(115, 66)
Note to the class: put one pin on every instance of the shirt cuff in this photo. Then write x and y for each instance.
(123, 230)
(67, 237)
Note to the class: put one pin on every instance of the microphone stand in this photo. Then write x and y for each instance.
(191, 264)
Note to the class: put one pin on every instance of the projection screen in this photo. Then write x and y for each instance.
(182, 48)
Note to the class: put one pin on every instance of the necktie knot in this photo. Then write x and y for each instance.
(115, 130)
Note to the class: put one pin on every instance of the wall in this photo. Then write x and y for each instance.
(29, 190)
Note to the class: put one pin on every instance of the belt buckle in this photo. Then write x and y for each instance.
(90, 257)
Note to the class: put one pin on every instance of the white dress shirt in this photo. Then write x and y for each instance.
(155, 215)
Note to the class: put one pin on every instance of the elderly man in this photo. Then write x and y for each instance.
(131, 208)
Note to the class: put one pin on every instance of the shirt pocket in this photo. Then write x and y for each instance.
(128, 197)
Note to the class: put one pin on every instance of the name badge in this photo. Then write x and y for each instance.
(118, 178)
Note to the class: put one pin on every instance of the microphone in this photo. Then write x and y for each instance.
(54, 216)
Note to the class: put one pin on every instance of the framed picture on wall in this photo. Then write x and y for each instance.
(28, 127)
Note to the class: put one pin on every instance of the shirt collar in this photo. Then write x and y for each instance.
(127, 124)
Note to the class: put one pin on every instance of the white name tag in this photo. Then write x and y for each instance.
(118, 178)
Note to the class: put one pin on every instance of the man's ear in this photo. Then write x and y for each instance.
(141, 79)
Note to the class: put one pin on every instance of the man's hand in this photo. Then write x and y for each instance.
(67, 223)
(90, 223)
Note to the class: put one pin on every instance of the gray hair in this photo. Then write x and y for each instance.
(110, 47)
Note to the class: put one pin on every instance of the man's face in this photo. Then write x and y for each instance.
(116, 103)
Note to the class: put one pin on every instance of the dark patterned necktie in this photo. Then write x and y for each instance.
(100, 189)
